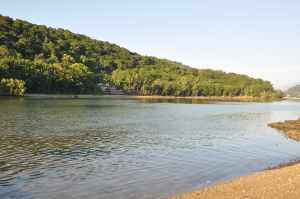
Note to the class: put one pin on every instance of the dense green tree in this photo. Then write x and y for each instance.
(52, 60)
(12, 87)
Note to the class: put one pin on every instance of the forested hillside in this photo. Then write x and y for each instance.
(294, 91)
(52, 60)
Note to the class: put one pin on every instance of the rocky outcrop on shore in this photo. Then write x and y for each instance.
(290, 127)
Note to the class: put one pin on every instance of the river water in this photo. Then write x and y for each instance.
(117, 148)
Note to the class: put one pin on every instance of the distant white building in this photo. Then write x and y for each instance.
(106, 88)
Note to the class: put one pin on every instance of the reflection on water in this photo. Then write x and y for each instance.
(175, 100)
(27, 152)
(120, 148)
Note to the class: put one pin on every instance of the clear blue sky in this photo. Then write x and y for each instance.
(260, 38)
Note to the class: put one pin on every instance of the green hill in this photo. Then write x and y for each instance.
(294, 91)
(53, 60)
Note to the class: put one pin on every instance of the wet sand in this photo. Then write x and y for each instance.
(281, 182)
(277, 183)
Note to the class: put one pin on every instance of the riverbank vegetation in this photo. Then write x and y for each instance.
(180, 81)
(52, 60)
(290, 127)
(12, 87)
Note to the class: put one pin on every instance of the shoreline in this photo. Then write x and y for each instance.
(280, 182)
(155, 97)
(214, 98)
(291, 128)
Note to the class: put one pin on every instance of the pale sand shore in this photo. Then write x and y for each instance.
(278, 183)
(282, 182)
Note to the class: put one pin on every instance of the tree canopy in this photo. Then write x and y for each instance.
(12, 87)
(53, 60)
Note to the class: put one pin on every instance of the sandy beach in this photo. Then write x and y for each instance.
(281, 182)
(277, 183)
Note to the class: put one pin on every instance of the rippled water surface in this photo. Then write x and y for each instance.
(125, 149)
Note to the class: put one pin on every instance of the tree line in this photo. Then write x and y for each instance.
(177, 81)
(51, 60)
(12, 87)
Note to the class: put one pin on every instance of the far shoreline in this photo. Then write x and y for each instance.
(207, 98)
(155, 97)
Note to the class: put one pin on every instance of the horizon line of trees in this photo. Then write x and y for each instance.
(182, 82)
(51, 60)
